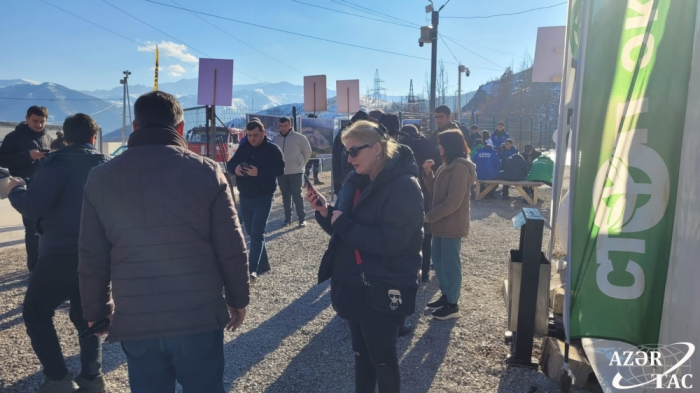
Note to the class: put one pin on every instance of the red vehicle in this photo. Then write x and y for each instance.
(227, 140)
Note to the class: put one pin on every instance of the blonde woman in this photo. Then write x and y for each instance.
(448, 217)
(373, 258)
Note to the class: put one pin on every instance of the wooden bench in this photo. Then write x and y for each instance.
(491, 184)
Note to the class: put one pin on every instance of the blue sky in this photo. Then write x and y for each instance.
(41, 43)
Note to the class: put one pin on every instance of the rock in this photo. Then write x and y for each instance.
(552, 361)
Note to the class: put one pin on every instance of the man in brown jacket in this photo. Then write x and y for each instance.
(159, 241)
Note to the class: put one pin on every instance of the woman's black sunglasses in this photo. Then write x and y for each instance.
(353, 152)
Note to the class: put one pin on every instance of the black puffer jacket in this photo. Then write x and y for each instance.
(14, 152)
(55, 197)
(341, 167)
(386, 226)
(515, 168)
(423, 150)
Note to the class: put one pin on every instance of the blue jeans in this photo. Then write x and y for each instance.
(255, 212)
(448, 266)
(196, 361)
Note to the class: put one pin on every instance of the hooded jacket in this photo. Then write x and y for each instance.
(55, 197)
(385, 226)
(423, 150)
(160, 241)
(498, 138)
(515, 168)
(471, 139)
(488, 164)
(296, 151)
(14, 151)
(268, 158)
(475, 149)
(450, 187)
(506, 154)
(542, 170)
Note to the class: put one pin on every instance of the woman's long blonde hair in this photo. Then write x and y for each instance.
(368, 133)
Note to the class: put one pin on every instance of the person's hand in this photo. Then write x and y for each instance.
(239, 171)
(313, 196)
(251, 171)
(105, 330)
(336, 214)
(36, 154)
(428, 166)
(15, 182)
(237, 316)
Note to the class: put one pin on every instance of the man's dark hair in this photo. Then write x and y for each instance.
(255, 124)
(474, 127)
(157, 109)
(410, 129)
(285, 119)
(38, 111)
(443, 109)
(452, 141)
(485, 135)
(508, 141)
(80, 128)
(500, 123)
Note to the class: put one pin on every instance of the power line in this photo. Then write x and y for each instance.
(474, 53)
(373, 12)
(111, 31)
(448, 48)
(290, 32)
(153, 27)
(498, 15)
(242, 42)
(356, 15)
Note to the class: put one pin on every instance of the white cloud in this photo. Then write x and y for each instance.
(170, 49)
(176, 70)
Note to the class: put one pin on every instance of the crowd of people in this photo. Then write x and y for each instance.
(148, 247)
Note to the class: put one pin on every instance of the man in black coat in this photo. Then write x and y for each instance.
(423, 150)
(257, 163)
(341, 167)
(515, 168)
(54, 198)
(473, 136)
(21, 152)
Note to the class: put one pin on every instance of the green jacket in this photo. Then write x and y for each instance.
(542, 170)
(474, 150)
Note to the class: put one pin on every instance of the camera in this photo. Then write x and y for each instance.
(420, 43)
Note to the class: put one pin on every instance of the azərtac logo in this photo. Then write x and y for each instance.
(658, 366)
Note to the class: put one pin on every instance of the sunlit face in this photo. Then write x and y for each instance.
(285, 127)
(500, 127)
(365, 156)
(36, 123)
(255, 137)
(442, 120)
(508, 145)
(475, 130)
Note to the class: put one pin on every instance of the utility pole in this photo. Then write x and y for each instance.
(433, 68)
(429, 34)
(465, 70)
(124, 82)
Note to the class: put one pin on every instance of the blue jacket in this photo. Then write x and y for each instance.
(506, 154)
(55, 197)
(269, 160)
(488, 164)
(498, 138)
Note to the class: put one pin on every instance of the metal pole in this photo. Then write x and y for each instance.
(294, 116)
(123, 111)
(433, 69)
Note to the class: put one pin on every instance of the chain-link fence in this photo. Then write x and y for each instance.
(523, 130)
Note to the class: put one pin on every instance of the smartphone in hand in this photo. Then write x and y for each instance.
(309, 186)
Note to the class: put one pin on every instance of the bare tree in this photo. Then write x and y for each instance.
(442, 83)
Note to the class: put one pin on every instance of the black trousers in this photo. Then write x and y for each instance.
(376, 360)
(31, 242)
(55, 280)
(290, 187)
(312, 163)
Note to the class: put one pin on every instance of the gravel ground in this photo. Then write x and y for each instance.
(291, 340)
